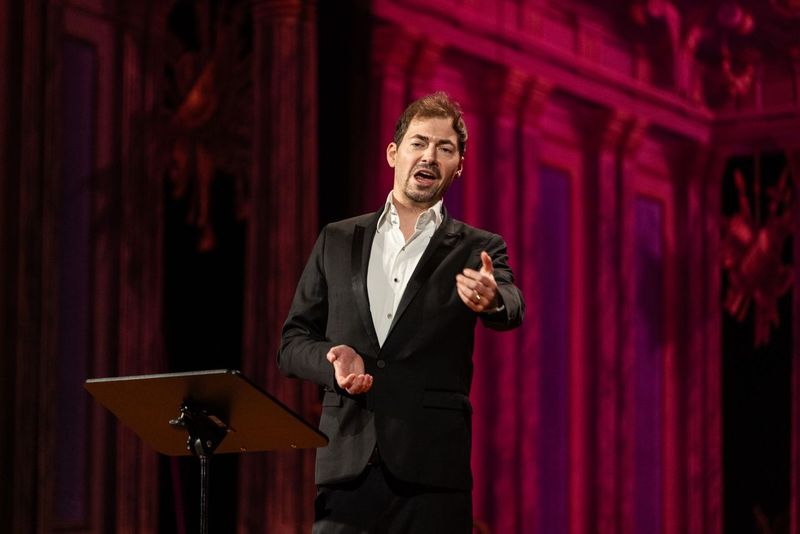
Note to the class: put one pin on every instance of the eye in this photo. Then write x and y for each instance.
(446, 149)
(417, 144)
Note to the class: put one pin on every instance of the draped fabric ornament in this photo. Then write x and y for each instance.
(208, 95)
(751, 254)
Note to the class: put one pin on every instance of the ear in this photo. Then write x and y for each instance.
(460, 167)
(391, 154)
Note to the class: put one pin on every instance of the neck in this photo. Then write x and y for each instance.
(408, 214)
(406, 207)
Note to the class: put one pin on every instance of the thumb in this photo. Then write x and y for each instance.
(486, 260)
(332, 355)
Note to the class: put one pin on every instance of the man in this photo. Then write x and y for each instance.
(384, 318)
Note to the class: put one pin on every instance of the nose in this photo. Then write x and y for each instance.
(429, 156)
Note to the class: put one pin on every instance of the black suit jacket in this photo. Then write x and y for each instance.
(418, 410)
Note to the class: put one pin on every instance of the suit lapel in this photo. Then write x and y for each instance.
(442, 243)
(363, 235)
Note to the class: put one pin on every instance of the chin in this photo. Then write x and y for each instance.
(424, 196)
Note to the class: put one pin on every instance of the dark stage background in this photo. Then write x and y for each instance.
(166, 165)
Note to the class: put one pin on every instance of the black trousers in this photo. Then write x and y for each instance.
(378, 503)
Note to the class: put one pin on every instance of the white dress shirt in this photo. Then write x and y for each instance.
(393, 260)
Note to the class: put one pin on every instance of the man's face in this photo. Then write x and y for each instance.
(426, 162)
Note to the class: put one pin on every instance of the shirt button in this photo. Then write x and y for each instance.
(381, 364)
(395, 279)
(388, 315)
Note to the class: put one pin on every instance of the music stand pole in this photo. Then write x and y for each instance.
(206, 432)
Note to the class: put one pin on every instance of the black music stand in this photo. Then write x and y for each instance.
(221, 410)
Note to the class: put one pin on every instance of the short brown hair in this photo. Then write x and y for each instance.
(438, 104)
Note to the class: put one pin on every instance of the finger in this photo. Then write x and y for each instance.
(483, 278)
(472, 274)
(468, 293)
(467, 282)
(466, 298)
(347, 382)
(479, 295)
(487, 262)
(332, 356)
(475, 299)
(463, 295)
(471, 287)
(355, 387)
(367, 383)
(464, 284)
(361, 385)
(489, 297)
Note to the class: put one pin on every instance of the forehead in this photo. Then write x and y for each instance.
(435, 128)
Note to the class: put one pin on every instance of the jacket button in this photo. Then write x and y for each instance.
(381, 364)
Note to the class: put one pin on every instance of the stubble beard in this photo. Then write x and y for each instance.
(423, 197)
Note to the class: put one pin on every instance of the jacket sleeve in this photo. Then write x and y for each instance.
(304, 347)
(509, 295)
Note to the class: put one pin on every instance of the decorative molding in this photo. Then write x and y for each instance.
(513, 92)
(538, 95)
(425, 61)
(393, 48)
(531, 52)
(614, 130)
(279, 9)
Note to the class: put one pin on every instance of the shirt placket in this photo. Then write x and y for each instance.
(396, 272)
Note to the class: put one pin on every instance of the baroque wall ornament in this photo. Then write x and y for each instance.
(718, 35)
(786, 8)
(207, 103)
(752, 249)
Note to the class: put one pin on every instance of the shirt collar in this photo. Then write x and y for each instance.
(389, 217)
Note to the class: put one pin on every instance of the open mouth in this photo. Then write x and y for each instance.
(425, 176)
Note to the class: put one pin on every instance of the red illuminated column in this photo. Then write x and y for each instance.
(8, 261)
(392, 52)
(608, 134)
(608, 300)
(793, 155)
(703, 469)
(141, 348)
(499, 193)
(277, 490)
(494, 187)
(533, 105)
(28, 265)
(404, 67)
(696, 309)
(425, 68)
(628, 168)
(713, 351)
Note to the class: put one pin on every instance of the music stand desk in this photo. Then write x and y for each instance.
(222, 411)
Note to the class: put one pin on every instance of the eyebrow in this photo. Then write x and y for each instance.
(428, 139)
